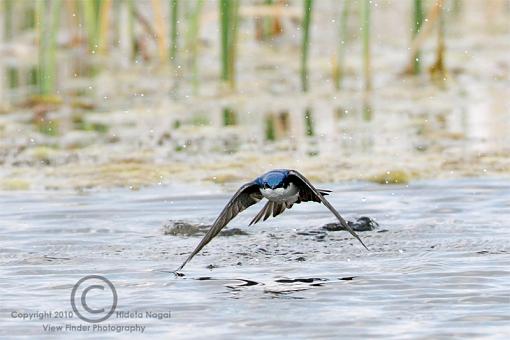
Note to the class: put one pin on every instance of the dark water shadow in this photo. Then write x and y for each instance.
(277, 288)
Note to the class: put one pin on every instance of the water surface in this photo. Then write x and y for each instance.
(437, 267)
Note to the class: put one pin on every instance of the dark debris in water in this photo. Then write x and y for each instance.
(361, 224)
(181, 228)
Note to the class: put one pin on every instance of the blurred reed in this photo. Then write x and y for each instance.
(438, 69)
(151, 30)
(126, 32)
(160, 30)
(305, 45)
(8, 9)
(343, 35)
(267, 23)
(174, 17)
(365, 30)
(229, 25)
(48, 15)
(90, 11)
(418, 21)
(193, 41)
(105, 8)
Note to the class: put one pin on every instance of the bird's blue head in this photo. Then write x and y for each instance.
(273, 179)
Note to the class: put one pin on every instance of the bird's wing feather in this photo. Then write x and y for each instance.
(266, 210)
(307, 192)
(274, 208)
(246, 196)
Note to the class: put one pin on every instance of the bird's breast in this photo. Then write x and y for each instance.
(290, 193)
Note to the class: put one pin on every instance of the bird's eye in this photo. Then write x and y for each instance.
(266, 186)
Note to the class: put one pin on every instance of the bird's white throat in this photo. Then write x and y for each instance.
(281, 194)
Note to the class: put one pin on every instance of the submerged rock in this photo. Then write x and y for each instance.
(361, 224)
(182, 228)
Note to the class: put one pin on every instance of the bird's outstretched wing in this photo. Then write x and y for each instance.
(246, 196)
(307, 192)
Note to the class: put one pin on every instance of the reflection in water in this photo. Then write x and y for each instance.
(229, 116)
(276, 126)
(360, 143)
(270, 129)
(309, 125)
(32, 78)
(283, 123)
(366, 108)
(341, 113)
(12, 77)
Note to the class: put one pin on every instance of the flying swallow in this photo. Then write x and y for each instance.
(282, 188)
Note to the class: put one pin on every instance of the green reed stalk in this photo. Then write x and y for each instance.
(229, 22)
(339, 70)
(305, 43)
(267, 23)
(103, 23)
(224, 28)
(131, 29)
(232, 44)
(438, 69)
(418, 21)
(365, 25)
(28, 21)
(456, 8)
(174, 43)
(12, 72)
(91, 16)
(193, 42)
(8, 16)
(48, 30)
